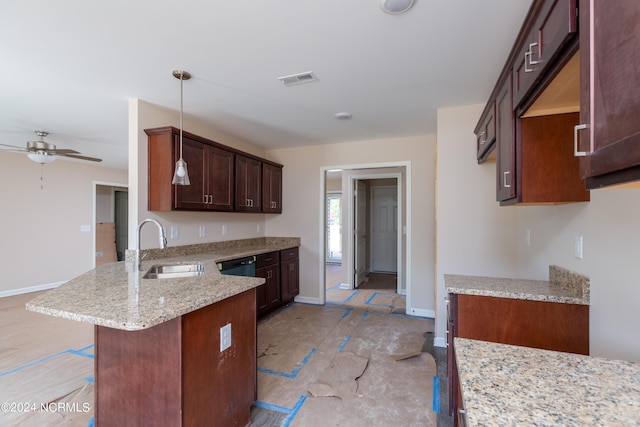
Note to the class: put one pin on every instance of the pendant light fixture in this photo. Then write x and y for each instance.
(181, 176)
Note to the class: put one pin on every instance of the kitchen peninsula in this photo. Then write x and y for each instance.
(158, 357)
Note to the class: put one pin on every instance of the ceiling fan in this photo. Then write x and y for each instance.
(44, 152)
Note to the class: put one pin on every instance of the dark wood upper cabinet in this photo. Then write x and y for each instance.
(535, 161)
(248, 184)
(271, 188)
(610, 92)
(555, 24)
(222, 178)
(210, 171)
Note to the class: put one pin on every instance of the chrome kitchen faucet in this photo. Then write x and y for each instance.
(162, 236)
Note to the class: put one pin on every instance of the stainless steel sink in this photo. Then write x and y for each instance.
(173, 271)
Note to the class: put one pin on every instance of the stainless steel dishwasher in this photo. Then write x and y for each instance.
(239, 267)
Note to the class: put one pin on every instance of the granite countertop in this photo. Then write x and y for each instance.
(563, 287)
(117, 296)
(510, 385)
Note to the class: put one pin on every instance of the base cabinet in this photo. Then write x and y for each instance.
(289, 275)
(268, 295)
(537, 324)
(280, 269)
(173, 374)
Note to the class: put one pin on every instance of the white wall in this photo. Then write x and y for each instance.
(303, 205)
(41, 244)
(610, 226)
(143, 116)
(476, 236)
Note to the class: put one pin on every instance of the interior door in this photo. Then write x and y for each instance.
(384, 229)
(360, 232)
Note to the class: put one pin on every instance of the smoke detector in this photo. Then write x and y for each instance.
(298, 79)
(396, 7)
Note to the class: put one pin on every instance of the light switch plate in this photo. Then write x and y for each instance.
(174, 231)
(577, 249)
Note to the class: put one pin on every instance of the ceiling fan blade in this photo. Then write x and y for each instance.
(75, 156)
(15, 148)
(65, 151)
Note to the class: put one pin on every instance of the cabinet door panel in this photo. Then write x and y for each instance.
(610, 105)
(271, 188)
(555, 25)
(486, 135)
(221, 169)
(289, 280)
(192, 196)
(505, 168)
(248, 184)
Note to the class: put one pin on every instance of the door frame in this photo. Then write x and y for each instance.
(404, 231)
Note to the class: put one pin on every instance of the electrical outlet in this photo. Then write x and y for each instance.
(257, 228)
(224, 229)
(174, 231)
(225, 337)
(203, 231)
(527, 237)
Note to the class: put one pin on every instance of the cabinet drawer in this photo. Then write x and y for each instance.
(270, 258)
(288, 254)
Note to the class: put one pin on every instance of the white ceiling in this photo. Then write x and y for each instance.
(70, 66)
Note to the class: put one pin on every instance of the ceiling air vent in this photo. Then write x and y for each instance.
(297, 79)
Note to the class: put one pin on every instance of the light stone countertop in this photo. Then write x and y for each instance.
(505, 385)
(563, 287)
(115, 294)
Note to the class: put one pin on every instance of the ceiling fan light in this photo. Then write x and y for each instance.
(41, 158)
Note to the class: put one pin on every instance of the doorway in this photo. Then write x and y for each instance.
(395, 175)
(110, 207)
(334, 228)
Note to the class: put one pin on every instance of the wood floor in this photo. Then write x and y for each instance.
(46, 365)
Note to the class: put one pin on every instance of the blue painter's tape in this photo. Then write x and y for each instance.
(344, 343)
(436, 395)
(364, 315)
(92, 423)
(44, 359)
(90, 379)
(293, 373)
(294, 411)
(347, 312)
(272, 407)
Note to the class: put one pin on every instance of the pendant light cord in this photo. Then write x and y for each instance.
(181, 76)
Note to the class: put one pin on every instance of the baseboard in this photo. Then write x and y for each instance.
(431, 314)
(30, 289)
(439, 342)
(308, 300)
